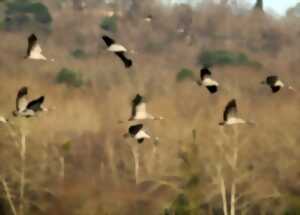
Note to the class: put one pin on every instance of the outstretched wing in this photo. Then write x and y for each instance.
(36, 104)
(108, 41)
(134, 129)
(117, 48)
(230, 110)
(204, 73)
(32, 41)
(21, 101)
(271, 80)
(135, 103)
(127, 62)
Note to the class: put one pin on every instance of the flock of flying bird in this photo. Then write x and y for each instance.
(25, 108)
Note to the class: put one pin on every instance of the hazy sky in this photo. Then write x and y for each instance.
(279, 6)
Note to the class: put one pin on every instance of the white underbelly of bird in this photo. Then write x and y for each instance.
(232, 121)
(142, 135)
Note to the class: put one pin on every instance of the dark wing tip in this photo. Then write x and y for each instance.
(230, 108)
(134, 129)
(137, 99)
(205, 72)
(35, 105)
(42, 98)
(128, 63)
(271, 79)
(212, 89)
(23, 91)
(32, 38)
(108, 41)
(272, 76)
(232, 103)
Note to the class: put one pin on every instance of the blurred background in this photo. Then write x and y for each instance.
(74, 160)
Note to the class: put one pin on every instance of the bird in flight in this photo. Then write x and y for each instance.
(25, 108)
(230, 115)
(206, 80)
(148, 18)
(139, 111)
(118, 49)
(275, 83)
(34, 50)
(137, 132)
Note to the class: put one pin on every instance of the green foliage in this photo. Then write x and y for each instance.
(69, 77)
(20, 13)
(181, 206)
(224, 57)
(292, 211)
(66, 147)
(79, 53)
(294, 205)
(109, 24)
(193, 181)
(184, 74)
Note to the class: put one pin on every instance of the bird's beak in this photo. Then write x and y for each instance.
(126, 135)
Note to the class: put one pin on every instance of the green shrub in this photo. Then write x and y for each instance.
(69, 77)
(184, 74)
(223, 57)
(109, 24)
(292, 211)
(41, 13)
(79, 53)
(181, 205)
(21, 13)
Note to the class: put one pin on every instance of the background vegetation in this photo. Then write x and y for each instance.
(74, 159)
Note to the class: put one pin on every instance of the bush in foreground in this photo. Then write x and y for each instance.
(184, 74)
(224, 57)
(69, 77)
